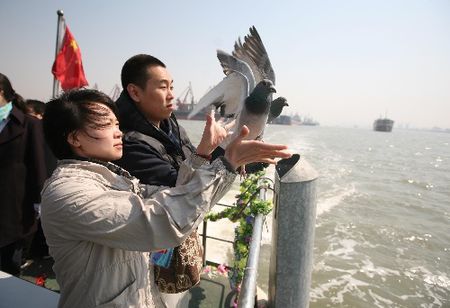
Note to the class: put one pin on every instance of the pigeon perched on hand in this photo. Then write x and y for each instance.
(256, 105)
(255, 112)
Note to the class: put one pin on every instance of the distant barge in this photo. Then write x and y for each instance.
(383, 125)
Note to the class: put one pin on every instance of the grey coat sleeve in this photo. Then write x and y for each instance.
(86, 210)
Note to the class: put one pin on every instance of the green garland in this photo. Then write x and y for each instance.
(247, 206)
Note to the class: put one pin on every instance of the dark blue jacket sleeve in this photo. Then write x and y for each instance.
(145, 163)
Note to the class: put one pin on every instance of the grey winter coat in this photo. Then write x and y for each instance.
(99, 229)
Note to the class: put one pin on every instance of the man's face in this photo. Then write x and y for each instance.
(155, 100)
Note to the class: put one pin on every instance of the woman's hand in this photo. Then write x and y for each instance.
(213, 135)
(241, 152)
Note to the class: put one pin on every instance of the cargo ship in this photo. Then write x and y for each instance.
(383, 125)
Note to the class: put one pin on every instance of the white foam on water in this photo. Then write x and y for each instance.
(379, 301)
(335, 289)
(435, 291)
(406, 297)
(400, 251)
(414, 238)
(333, 198)
(347, 248)
(321, 266)
(434, 284)
(440, 280)
(369, 269)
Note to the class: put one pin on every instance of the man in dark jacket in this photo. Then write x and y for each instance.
(154, 145)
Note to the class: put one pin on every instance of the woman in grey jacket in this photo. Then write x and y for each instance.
(100, 222)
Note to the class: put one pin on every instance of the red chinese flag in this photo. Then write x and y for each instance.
(68, 68)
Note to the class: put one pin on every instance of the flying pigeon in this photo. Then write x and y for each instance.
(245, 94)
(252, 51)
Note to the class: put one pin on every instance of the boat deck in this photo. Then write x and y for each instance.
(213, 291)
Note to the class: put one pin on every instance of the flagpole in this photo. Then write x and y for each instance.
(58, 43)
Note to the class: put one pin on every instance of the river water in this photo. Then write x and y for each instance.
(382, 235)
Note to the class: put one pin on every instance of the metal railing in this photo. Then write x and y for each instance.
(205, 236)
(248, 286)
(292, 238)
(294, 216)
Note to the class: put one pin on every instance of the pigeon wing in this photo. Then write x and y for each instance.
(228, 95)
(253, 48)
(240, 53)
(213, 97)
(232, 64)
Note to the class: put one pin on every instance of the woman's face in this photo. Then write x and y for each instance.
(3, 101)
(101, 140)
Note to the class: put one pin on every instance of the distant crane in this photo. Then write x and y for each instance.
(182, 102)
(185, 102)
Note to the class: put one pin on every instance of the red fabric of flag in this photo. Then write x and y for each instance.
(68, 68)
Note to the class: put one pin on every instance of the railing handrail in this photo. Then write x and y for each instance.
(295, 203)
(248, 286)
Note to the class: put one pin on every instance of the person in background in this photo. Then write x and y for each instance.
(22, 174)
(35, 108)
(38, 246)
(100, 222)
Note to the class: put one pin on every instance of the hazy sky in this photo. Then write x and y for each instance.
(340, 62)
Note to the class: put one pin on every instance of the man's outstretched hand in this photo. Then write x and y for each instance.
(213, 135)
(241, 152)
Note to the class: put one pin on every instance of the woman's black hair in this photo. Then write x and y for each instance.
(9, 94)
(36, 106)
(72, 111)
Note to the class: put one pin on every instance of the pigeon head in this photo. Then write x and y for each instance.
(263, 90)
(280, 102)
(258, 102)
(276, 107)
(266, 85)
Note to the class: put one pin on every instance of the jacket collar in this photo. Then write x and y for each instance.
(14, 127)
(18, 115)
(109, 165)
(131, 119)
(108, 174)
